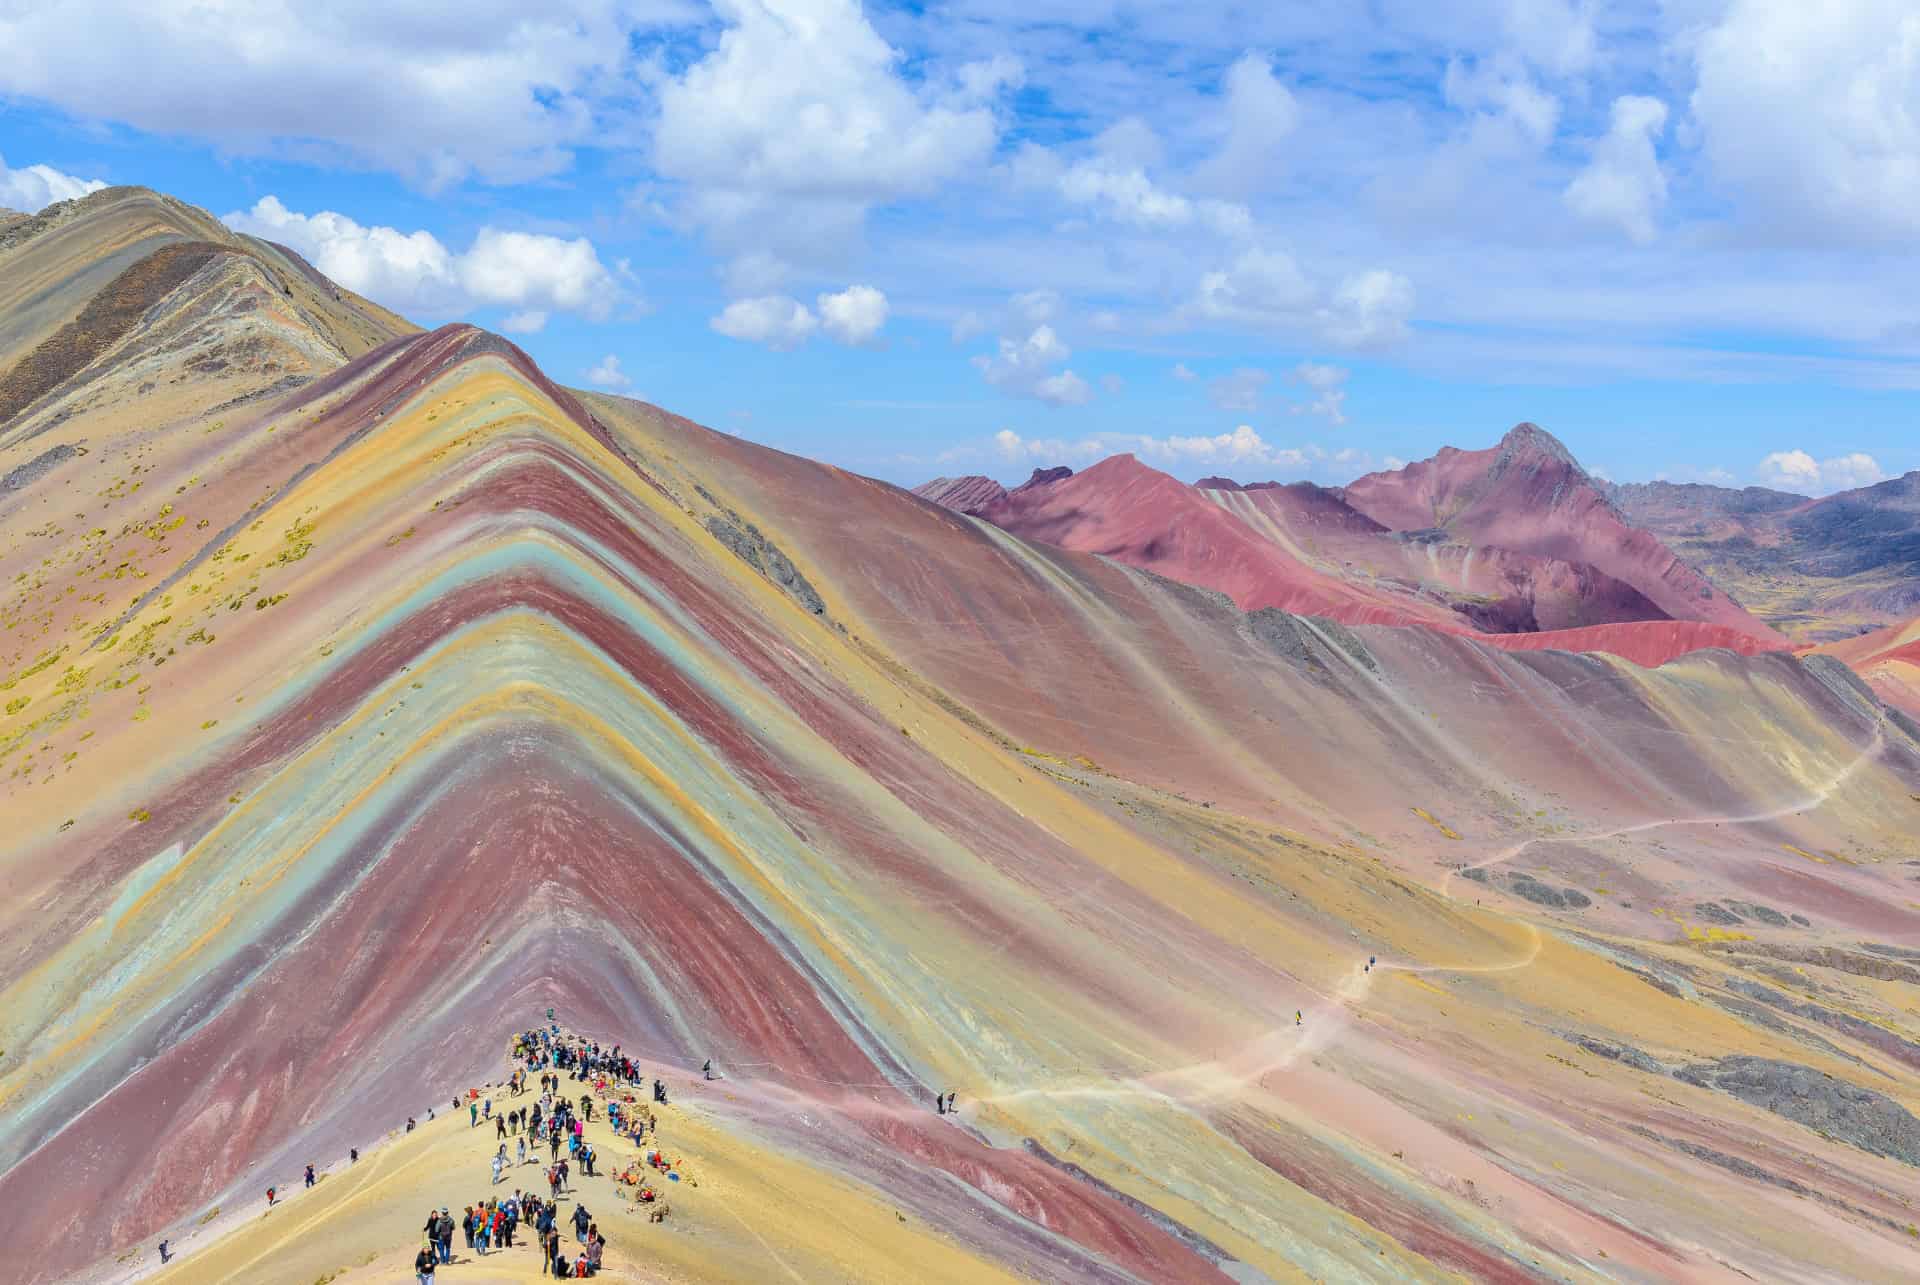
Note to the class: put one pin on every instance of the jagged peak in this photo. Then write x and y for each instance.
(1047, 477)
(1528, 437)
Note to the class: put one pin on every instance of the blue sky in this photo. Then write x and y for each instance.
(1281, 239)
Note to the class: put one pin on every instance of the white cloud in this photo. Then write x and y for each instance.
(1796, 470)
(606, 373)
(1257, 115)
(1622, 185)
(1814, 111)
(530, 322)
(1265, 289)
(1243, 448)
(1506, 99)
(1368, 309)
(1181, 373)
(799, 120)
(1239, 391)
(35, 187)
(779, 322)
(1328, 385)
(855, 315)
(435, 91)
(1114, 184)
(414, 273)
(1024, 368)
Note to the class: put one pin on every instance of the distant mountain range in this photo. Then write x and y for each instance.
(1516, 542)
(1815, 569)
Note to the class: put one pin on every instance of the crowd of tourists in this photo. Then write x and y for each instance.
(548, 1065)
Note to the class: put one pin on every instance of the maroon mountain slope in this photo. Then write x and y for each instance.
(967, 494)
(1528, 495)
(1303, 549)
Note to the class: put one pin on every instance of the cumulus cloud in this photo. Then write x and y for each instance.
(1814, 111)
(1025, 368)
(799, 120)
(35, 187)
(1113, 183)
(415, 273)
(1257, 115)
(1239, 391)
(1506, 103)
(1622, 185)
(606, 373)
(1181, 373)
(776, 320)
(1328, 386)
(853, 316)
(1266, 289)
(1243, 449)
(1798, 471)
(434, 91)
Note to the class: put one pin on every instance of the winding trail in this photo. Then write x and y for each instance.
(1202, 1083)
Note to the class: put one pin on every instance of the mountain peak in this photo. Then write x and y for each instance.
(968, 494)
(1046, 477)
(1529, 438)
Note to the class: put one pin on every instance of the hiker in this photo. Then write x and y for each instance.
(423, 1265)
(309, 1175)
(353, 1155)
(443, 1234)
(1296, 1017)
(473, 1115)
(496, 1170)
(580, 1220)
(523, 1152)
(596, 1249)
(499, 1126)
(271, 1193)
(550, 1257)
(165, 1257)
(410, 1121)
(487, 1108)
(707, 1069)
(950, 1098)
(466, 1225)
(659, 1091)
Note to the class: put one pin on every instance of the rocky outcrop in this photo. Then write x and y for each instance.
(969, 494)
(1859, 1117)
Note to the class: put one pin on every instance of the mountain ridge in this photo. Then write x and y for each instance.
(351, 726)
